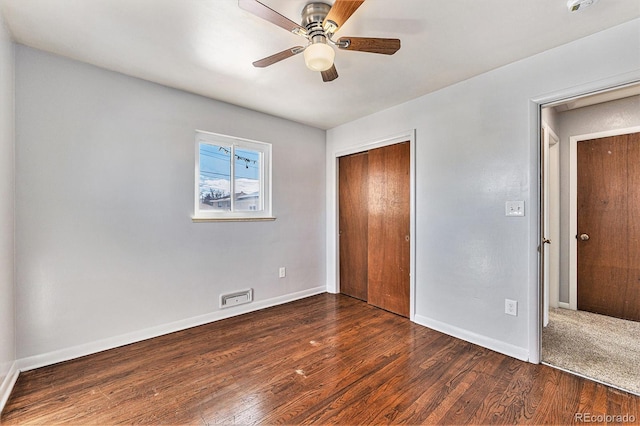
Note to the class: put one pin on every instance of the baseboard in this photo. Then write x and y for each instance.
(7, 384)
(564, 305)
(67, 354)
(477, 339)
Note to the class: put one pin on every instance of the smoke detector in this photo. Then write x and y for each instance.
(575, 5)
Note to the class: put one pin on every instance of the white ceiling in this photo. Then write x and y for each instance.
(207, 46)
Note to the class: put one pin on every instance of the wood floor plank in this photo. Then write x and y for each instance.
(544, 395)
(593, 399)
(327, 359)
(463, 409)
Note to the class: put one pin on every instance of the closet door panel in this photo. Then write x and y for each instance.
(388, 228)
(353, 190)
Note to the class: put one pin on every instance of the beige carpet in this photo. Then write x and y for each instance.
(596, 346)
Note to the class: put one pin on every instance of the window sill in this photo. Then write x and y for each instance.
(232, 219)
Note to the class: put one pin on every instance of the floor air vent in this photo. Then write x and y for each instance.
(238, 298)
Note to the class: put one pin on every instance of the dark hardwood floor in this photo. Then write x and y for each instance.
(324, 359)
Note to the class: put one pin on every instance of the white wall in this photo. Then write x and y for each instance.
(105, 245)
(550, 116)
(613, 115)
(476, 147)
(7, 327)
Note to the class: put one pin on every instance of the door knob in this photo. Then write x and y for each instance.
(584, 237)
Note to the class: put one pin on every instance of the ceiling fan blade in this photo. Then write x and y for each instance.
(268, 14)
(339, 13)
(386, 46)
(270, 60)
(330, 74)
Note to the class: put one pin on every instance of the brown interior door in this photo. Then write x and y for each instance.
(632, 298)
(609, 226)
(353, 224)
(389, 228)
(374, 227)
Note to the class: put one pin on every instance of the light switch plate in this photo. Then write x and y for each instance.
(514, 208)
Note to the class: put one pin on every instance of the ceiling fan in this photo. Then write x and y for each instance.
(319, 22)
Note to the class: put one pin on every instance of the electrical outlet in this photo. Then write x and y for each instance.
(282, 272)
(514, 208)
(511, 307)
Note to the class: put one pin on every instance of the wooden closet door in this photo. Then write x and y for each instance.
(353, 197)
(631, 308)
(389, 206)
(609, 226)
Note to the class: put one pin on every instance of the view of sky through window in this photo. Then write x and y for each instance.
(215, 178)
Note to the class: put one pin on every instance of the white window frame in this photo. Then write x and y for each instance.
(265, 179)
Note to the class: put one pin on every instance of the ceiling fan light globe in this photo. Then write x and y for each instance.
(319, 57)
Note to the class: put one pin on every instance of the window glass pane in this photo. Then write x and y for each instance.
(247, 165)
(215, 177)
(232, 178)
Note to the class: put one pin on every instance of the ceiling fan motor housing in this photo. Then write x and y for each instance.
(313, 16)
(318, 55)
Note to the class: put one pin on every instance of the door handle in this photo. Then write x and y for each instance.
(584, 237)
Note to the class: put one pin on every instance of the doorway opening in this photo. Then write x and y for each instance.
(590, 233)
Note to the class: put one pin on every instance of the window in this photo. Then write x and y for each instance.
(232, 178)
